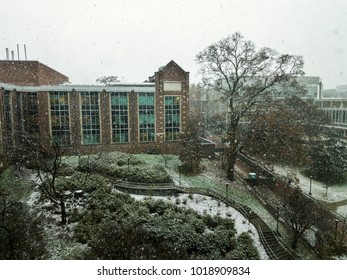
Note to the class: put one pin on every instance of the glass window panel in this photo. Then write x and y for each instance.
(60, 121)
(119, 117)
(146, 117)
(90, 111)
(172, 118)
(8, 118)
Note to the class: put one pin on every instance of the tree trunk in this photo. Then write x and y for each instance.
(231, 151)
(230, 162)
(63, 211)
(295, 242)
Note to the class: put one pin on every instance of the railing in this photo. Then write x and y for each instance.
(286, 247)
(223, 196)
(266, 245)
(146, 186)
(284, 180)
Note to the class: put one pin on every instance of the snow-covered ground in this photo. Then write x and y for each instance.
(204, 204)
(336, 193)
(201, 204)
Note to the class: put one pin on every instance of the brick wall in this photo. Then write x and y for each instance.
(29, 73)
(49, 76)
(171, 72)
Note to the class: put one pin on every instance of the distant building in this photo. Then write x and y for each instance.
(336, 109)
(135, 118)
(341, 88)
(211, 103)
(313, 86)
(340, 92)
(334, 104)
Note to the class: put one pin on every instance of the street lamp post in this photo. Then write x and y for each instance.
(285, 192)
(128, 169)
(310, 193)
(336, 223)
(179, 175)
(277, 218)
(227, 191)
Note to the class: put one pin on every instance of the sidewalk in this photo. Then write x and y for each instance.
(335, 196)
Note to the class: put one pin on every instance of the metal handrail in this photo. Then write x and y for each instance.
(133, 185)
(210, 192)
(266, 244)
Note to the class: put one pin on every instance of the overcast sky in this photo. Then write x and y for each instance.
(132, 39)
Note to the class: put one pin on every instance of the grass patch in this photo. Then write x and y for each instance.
(171, 160)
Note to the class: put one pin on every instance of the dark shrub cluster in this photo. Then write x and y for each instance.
(119, 227)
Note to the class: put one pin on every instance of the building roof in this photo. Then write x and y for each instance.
(308, 80)
(29, 73)
(33, 76)
(171, 64)
(144, 87)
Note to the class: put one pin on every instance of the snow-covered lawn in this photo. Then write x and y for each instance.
(204, 204)
(335, 193)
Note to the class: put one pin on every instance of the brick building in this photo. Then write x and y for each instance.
(135, 118)
(29, 73)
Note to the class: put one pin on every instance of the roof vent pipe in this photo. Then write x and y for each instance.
(25, 52)
(7, 54)
(18, 51)
(12, 55)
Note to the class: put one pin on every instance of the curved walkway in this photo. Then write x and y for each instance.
(273, 244)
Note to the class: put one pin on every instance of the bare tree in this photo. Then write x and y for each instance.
(47, 169)
(107, 80)
(47, 163)
(285, 130)
(245, 76)
(331, 238)
(301, 213)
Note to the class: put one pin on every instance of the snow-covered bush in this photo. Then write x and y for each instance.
(81, 181)
(117, 166)
(118, 227)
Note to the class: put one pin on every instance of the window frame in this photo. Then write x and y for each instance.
(146, 112)
(173, 131)
(118, 112)
(90, 111)
(60, 111)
